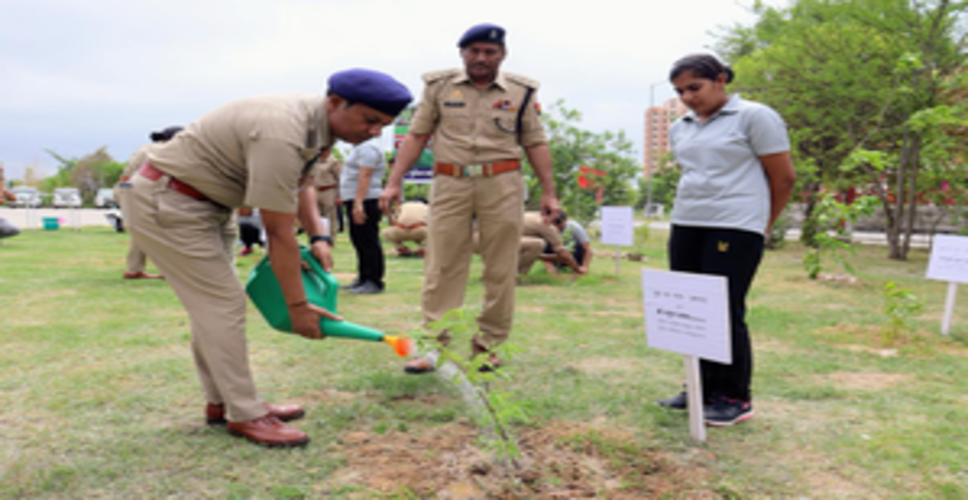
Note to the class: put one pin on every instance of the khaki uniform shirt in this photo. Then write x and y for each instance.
(249, 152)
(535, 227)
(327, 172)
(477, 126)
(412, 214)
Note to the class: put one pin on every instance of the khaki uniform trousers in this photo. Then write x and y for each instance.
(326, 202)
(192, 243)
(398, 235)
(531, 248)
(497, 203)
(136, 259)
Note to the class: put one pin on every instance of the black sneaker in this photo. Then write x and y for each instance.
(678, 402)
(367, 288)
(725, 411)
(349, 286)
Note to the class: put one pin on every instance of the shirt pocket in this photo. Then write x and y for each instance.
(503, 122)
(455, 118)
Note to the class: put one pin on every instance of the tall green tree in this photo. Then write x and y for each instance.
(88, 173)
(852, 77)
(573, 147)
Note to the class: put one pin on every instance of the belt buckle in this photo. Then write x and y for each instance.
(476, 170)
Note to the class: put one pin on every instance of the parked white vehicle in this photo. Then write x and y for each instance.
(105, 198)
(26, 197)
(67, 198)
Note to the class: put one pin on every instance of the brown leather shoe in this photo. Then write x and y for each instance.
(269, 431)
(141, 275)
(419, 366)
(492, 363)
(215, 414)
(424, 364)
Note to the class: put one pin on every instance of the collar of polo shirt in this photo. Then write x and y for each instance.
(731, 107)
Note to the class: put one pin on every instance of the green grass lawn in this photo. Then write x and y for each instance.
(99, 397)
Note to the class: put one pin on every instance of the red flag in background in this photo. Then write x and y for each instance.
(585, 179)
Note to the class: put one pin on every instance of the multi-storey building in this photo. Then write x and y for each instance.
(657, 122)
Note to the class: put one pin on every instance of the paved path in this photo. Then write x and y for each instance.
(917, 240)
(33, 218)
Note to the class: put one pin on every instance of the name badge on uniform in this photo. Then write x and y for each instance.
(455, 104)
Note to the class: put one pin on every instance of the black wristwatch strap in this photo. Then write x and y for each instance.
(314, 239)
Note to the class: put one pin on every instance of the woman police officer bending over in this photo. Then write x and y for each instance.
(737, 177)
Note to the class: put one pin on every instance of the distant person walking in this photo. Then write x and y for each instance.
(737, 176)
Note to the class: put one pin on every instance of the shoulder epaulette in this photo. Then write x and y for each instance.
(523, 80)
(434, 76)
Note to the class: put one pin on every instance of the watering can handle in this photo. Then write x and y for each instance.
(332, 285)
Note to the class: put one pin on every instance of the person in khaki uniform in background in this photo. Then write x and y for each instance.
(255, 152)
(409, 224)
(136, 258)
(480, 119)
(326, 181)
(538, 235)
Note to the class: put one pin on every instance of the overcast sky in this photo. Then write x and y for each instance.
(77, 75)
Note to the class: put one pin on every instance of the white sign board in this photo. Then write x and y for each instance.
(949, 258)
(617, 226)
(687, 313)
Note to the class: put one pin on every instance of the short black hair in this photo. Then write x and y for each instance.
(705, 66)
(347, 101)
(561, 217)
(166, 134)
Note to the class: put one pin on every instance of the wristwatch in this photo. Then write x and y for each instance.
(314, 239)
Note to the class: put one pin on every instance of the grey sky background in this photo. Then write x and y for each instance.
(78, 75)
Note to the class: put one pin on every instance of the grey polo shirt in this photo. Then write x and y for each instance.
(574, 233)
(723, 183)
(366, 155)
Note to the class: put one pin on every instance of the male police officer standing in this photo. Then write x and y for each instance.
(480, 119)
(255, 152)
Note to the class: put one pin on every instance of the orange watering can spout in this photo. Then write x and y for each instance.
(402, 345)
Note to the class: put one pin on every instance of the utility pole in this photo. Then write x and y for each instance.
(651, 160)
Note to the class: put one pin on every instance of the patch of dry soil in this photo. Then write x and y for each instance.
(559, 461)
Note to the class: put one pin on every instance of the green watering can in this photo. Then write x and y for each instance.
(321, 287)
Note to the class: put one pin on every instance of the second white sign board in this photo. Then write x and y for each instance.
(617, 226)
(949, 258)
(687, 313)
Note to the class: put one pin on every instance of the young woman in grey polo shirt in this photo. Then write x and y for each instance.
(737, 176)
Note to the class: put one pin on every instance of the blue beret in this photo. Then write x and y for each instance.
(372, 88)
(482, 33)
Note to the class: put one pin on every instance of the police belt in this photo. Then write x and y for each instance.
(325, 188)
(477, 170)
(153, 173)
(415, 225)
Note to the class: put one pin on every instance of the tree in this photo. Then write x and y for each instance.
(665, 182)
(572, 147)
(851, 77)
(88, 174)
